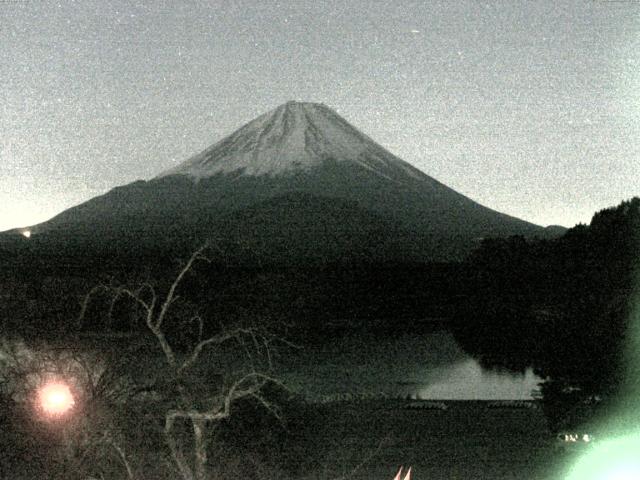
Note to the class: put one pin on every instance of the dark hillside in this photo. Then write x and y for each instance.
(562, 306)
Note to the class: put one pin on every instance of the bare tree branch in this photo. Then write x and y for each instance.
(119, 292)
(87, 298)
(191, 466)
(176, 453)
(215, 340)
(108, 438)
(170, 298)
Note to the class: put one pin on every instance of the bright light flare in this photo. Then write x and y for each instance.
(56, 399)
(613, 460)
(26, 233)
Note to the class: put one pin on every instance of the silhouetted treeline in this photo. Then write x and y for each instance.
(42, 289)
(561, 306)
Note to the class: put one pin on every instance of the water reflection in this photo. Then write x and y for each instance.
(467, 380)
(428, 367)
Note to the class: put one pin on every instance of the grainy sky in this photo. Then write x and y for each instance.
(530, 107)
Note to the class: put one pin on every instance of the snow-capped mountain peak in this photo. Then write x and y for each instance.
(297, 179)
(294, 136)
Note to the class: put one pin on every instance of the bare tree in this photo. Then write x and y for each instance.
(183, 404)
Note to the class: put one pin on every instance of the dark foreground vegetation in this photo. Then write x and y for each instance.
(358, 440)
(107, 439)
(148, 404)
(563, 306)
(566, 307)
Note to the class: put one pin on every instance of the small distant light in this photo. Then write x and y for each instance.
(576, 437)
(55, 399)
(26, 233)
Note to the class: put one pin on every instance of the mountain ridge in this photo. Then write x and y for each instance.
(297, 147)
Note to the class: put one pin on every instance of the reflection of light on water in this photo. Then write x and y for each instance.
(468, 381)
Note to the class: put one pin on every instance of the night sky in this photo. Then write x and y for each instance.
(529, 107)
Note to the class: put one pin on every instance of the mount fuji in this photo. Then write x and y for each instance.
(292, 138)
(297, 184)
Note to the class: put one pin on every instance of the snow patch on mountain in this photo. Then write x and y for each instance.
(295, 136)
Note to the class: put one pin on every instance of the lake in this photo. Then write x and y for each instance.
(426, 366)
(430, 366)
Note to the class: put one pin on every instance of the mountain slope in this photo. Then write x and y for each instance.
(294, 137)
(301, 160)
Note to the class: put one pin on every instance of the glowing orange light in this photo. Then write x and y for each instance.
(56, 398)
